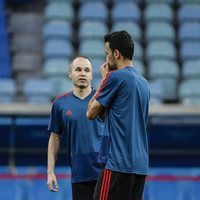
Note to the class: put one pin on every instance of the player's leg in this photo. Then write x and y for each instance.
(126, 186)
(83, 190)
(103, 184)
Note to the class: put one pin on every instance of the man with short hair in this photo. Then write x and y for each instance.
(83, 136)
(124, 93)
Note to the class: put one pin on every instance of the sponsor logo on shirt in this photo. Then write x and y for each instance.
(68, 113)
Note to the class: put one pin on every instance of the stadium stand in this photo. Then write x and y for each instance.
(7, 90)
(38, 39)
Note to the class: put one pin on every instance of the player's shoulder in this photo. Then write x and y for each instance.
(62, 97)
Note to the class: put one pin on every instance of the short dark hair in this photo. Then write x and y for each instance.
(79, 56)
(122, 41)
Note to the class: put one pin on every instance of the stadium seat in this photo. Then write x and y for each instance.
(92, 30)
(189, 31)
(93, 10)
(37, 91)
(159, 1)
(165, 73)
(189, 12)
(183, 2)
(33, 22)
(26, 43)
(132, 28)
(58, 48)
(169, 92)
(190, 50)
(138, 50)
(96, 63)
(191, 69)
(60, 85)
(189, 92)
(25, 61)
(59, 10)
(96, 81)
(57, 29)
(160, 50)
(139, 66)
(158, 12)
(156, 91)
(56, 67)
(160, 30)
(92, 48)
(7, 90)
(163, 68)
(85, 1)
(125, 11)
(5, 65)
(134, 1)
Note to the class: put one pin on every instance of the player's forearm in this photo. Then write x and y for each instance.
(94, 109)
(53, 149)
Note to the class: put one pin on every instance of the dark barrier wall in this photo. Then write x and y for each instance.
(174, 135)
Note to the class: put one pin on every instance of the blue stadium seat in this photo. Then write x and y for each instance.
(96, 81)
(189, 31)
(57, 29)
(189, 92)
(92, 30)
(55, 67)
(182, 2)
(189, 12)
(59, 10)
(8, 90)
(159, 1)
(5, 66)
(190, 50)
(58, 48)
(37, 91)
(191, 69)
(163, 68)
(169, 92)
(132, 28)
(158, 12)
(96, 63)
(156, 90)
(160, 30)
(60, 85)
(94, 10)
(160, 50)
(125, 11)
(138, 50)
(139, 66)
(92, 48)
(134, 1)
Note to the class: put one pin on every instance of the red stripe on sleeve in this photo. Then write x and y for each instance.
(102, 84)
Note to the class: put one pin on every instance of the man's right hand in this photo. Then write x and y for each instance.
(104, 69)
(52, 182)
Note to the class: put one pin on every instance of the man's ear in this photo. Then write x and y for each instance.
(69, 74)
(116, 53)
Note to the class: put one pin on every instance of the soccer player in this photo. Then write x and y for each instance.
(83, 138)
(125, 95)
